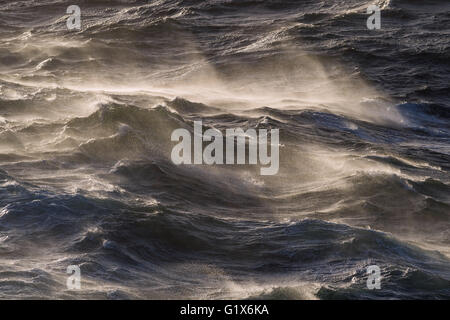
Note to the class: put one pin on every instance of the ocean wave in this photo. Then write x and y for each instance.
(86, 177)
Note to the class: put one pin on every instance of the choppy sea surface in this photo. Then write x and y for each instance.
(85, 171)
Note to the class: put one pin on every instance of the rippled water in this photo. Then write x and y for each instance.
(86, 177)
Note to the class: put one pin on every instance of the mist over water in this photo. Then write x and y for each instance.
(86, 176)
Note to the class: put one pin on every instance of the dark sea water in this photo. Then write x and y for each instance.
(85, 171)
